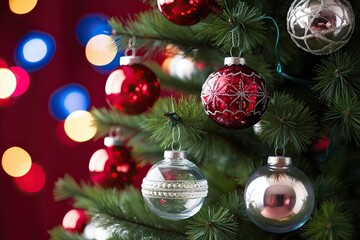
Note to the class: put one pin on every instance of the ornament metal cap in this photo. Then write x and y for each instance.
(112, 141)
(171, 154)
(129, 60)
(279, 161)
(234, 61)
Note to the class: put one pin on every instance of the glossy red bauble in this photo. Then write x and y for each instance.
(112, 166)
(235, 96)
(75, 220)
(132, 89)
(185, 12)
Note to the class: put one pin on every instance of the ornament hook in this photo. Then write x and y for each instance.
(115, 132)
(176, 139)
(131, 47)
(237, 45)
(280, 148)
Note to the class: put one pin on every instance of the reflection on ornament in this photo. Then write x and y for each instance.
(320, 26)
(133, 88)
(279, 197)
(174, 188)
(186, 12)
(75, 220)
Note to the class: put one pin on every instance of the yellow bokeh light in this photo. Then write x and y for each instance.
(79, 126)
(100, 50)
(16, 162)
(7, 83)
(22, 6)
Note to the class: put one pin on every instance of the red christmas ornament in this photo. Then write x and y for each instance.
(132, 88)
(235, 96)
(112, 166)
(185, 12)
(75, 220)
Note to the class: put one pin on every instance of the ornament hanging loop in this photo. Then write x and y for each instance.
(115, 132)
(130, 50)
(235, 44)
(176, 138)
(280, 151)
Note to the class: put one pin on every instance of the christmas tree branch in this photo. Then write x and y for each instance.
(123, 208)
(59, 233)
(199, 136)
(338, 75)
(238, 26)
(152, 30)
(344, 117)
(331, 221)
(287, 122)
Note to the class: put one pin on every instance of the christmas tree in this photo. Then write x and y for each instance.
(288, 94)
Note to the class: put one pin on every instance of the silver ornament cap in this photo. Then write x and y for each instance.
(129, 60)
(279, 161)
(170, 154)
(112, 141)
(234, 61)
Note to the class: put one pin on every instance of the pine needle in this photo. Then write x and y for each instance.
(287, 122)
(344, 117)
(331, 221)
(338, 75)
(213, 224)
(241, 19)
(59, 233)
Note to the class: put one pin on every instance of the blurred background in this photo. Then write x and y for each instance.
(54, 62)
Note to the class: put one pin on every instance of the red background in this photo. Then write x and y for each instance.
(27, 122)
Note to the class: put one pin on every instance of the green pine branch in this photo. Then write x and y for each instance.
(212, 223)
(153, 32)
(239, 26)
(59, 233)
(338, 75)
(123, 209)
(343, 116)
(331, 221)
(287, 122)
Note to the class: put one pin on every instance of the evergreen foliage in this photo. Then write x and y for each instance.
(298, 115)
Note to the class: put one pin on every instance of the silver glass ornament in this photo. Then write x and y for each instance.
(174, 188)
(320, 26)
(279, 197)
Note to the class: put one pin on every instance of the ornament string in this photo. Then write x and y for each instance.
(278, 149)
(279, 68)
(131, 47)
(237, 45)
(176, 138)
(115, 132)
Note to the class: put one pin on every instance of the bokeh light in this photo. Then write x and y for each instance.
(62, 137)
(3, 63)
(22, 80)
(7, 83)
(34, 50)
(108, 68)
(182, 67)
(22, 6)
(67, 99)
(16, 161)
(100, 50)
(33, 181)
(79, 126)
(91, 25)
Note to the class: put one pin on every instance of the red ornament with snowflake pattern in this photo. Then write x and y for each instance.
(235, 96)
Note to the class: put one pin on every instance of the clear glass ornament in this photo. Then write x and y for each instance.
(320, 26)
(174, 188)
(279, 197)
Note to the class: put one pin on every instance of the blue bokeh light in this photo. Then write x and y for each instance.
(91, 25)
(67, 99)
(34, 50)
